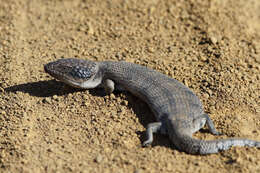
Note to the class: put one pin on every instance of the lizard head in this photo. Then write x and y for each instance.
(75, 72)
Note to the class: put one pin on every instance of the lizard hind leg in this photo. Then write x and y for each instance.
(211, 126)
(201, 120)
(198, 123)
(152, 128)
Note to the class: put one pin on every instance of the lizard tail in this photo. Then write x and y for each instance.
(195, 146)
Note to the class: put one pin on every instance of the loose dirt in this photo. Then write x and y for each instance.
(212, 46)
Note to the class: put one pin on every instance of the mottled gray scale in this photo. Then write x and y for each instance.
(183, 99)
(144, 85)
(81, 73)
(177, 109)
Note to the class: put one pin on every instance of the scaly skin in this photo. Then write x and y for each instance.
(178, 110)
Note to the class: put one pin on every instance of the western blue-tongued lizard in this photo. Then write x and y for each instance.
(178, 110)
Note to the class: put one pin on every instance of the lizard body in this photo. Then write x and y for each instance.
(178, 111)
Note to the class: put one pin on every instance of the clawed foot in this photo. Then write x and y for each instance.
(146, 143)
(217, 133)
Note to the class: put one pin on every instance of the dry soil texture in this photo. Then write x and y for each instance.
(212, 46)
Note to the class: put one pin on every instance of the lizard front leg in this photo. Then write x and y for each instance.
(110, 86)
(151, 128)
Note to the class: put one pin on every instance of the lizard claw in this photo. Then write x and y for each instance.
(146, 143)
(217, 133)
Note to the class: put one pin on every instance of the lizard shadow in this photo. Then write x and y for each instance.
(52, 87)
(146, 116)
(41, 88)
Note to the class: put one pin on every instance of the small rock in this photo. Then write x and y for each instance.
(90, 29)
(170, 49)
(213, 39)
(3, 155)
(99, 158)
(122, 111)
(185, 81)
(111, 105)
(112, 96)
(86, 103)
(150, 49)
(203, 58)
(130, 60)
(151, 9)
(184, 14)
(55, 97)
(239, 160)
(118, 55)
(210, 92)
(3, 113)
(101, 132)
(118, 99)
(46, 100)
(197, 163)
(206, 95)
(125, 102)
(113, 113)
(85, 97)
(138, 171)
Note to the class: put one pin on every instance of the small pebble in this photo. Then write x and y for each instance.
(3, 113)
(85, 97)
(213, 39)
(150, 49)
(206, 95)
(203, 58)
(125, 102)
(99, 158)
(112, 96)
(55, 97)
(86, 103)
(2, 89)
(90, 29)
(46, 100)
(122, 111)
(151, 9)
(138, 171)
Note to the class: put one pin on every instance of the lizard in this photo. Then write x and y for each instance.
(179, 112)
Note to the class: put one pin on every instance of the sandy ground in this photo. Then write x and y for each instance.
(212, 46)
